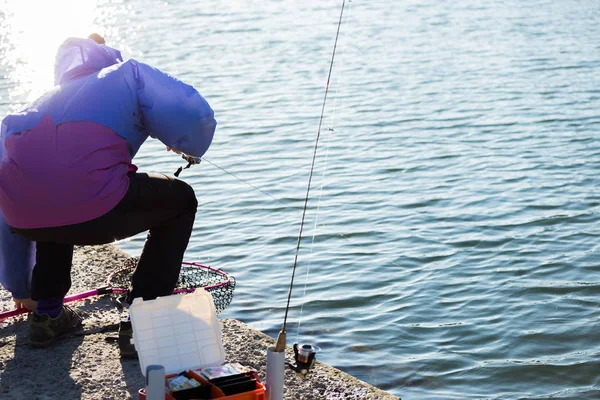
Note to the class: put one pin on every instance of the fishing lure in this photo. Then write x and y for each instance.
(191, 160)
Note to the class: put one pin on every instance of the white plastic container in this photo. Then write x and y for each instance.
(179, 332)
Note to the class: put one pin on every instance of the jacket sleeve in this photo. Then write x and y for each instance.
(174, 112)
(17, 254)
(17, 259)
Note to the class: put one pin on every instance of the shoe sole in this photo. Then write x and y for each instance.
(51, 342)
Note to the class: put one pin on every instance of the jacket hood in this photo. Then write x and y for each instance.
(80, 57)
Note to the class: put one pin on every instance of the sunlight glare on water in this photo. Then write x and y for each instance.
(30, 33)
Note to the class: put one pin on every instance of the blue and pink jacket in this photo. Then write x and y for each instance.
(64, 159)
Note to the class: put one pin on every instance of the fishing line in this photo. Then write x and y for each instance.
(331, 129)
(244, 181)
(280, 346)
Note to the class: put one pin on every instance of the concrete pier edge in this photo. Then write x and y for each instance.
(88, 366)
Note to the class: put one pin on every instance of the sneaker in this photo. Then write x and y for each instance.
(43, 330)
(126, 348)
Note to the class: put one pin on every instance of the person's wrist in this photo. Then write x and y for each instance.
(25, 303)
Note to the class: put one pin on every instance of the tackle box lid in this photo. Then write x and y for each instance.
(179, 332)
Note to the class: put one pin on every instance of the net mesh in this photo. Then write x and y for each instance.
(192, 276)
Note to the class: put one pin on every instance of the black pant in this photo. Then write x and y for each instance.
(164, 206)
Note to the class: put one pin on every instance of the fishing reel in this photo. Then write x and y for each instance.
(191, 160)
(304, 355)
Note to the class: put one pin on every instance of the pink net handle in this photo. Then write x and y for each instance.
(13, 313)
(68, 299)
(107, 289)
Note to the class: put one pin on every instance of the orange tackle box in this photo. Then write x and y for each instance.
(182, 334)
(216, 393)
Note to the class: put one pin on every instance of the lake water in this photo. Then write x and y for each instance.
(451, 247)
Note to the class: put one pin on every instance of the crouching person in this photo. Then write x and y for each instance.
(67, 178)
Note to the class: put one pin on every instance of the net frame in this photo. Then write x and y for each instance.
(192, 276)
(220, 285)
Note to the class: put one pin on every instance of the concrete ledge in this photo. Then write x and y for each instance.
(89, 367)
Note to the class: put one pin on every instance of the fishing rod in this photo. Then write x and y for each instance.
(281, 339)
(304, 354)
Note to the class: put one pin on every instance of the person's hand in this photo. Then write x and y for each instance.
(173, 150)
(97, 38)
(25, 303)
